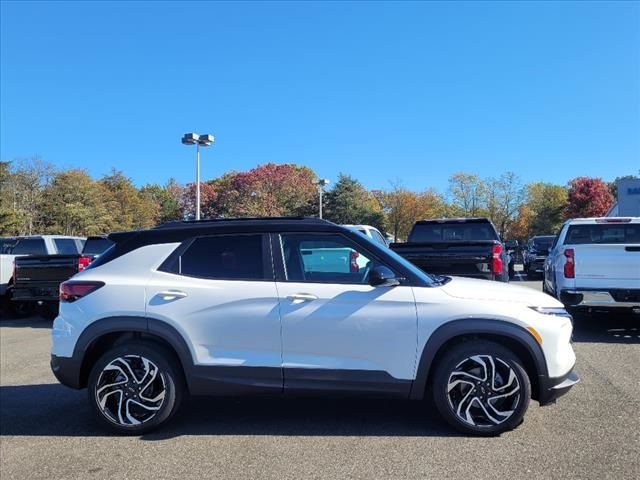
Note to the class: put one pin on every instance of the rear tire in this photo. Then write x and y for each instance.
(481, 388)
(135, 387)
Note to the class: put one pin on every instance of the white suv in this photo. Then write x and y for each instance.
(246, 306)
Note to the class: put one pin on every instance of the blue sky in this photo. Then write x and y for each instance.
(382, 91)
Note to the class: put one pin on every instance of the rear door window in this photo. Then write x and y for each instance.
(230, 257)
(30, 246)
(66, 246)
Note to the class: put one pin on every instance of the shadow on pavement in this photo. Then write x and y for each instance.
(54, 410)
(607, 328)
(29, 322)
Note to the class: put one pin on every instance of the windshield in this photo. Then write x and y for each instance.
(543, 243)
(410, 266)
(437, 232)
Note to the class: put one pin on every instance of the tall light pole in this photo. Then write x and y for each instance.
(199, 141)
(321, 183)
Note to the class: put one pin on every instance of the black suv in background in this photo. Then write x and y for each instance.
(535, 253)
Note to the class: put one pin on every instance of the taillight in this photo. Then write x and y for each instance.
(496, 261)
(83, 262)
(569, 263)
(74, 289)
(353, 262)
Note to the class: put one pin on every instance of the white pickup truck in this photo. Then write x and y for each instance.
(594, 264)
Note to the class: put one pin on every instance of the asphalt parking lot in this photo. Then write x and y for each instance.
(594, 432)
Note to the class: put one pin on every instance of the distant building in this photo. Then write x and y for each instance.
(628, 201)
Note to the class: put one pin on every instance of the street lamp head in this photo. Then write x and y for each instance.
(206, 140)
(322, 182)
(190, 138)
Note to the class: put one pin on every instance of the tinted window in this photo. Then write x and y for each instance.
(96, 246)
(436, 232)
(235, 257)
(378, 238)
(66, 246)
(543, 243)
(615, 233)
(30, 246)
(325, 258)
(7, 244)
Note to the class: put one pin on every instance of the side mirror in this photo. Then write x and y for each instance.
(382, 276)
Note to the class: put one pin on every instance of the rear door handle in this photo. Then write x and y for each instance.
(301, 297)
(172, 294)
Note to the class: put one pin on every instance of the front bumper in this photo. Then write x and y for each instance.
(553, 388)
(67, 371)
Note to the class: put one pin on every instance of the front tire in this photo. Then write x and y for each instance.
(135, 387)
(481, 388)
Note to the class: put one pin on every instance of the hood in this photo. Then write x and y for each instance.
(474, 289)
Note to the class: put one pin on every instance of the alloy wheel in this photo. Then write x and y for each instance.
(130, 390)
(483, 391)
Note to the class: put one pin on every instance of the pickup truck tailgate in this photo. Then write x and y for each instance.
(619, 265)
(38, 277)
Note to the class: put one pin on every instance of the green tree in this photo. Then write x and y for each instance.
(547, 203)
(468, 194)
(167, 199)
(349, 202)
(74, 204)
(129, 208)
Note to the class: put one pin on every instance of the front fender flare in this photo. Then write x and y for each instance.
(474, 326)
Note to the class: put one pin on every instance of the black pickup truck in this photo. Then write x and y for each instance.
(38, 277)
(466, 247)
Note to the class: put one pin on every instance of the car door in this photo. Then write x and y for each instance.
(339, 332)
(219, 293)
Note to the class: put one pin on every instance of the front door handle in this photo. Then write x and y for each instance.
(172, 294)
(301, 297)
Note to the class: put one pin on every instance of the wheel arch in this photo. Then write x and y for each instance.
(512, 336)
(105, 333)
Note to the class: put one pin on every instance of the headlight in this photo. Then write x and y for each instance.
(557, 311)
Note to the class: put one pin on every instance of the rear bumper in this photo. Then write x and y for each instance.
(66, 370)
(553, 388)
(613, 298)
(48, 292)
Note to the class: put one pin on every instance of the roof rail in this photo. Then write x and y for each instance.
(185, 223)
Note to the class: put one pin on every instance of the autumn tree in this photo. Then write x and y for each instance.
(8, 218)
(207, 199)
(503, 197)
(404, 207)
(267, 190)
(23, 185)
(588, 197)
(348, 202)
(467, 192)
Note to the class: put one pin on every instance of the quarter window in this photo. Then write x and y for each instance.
(234, 257)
